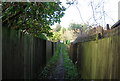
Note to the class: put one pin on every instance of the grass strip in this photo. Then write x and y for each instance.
(50, 65)
(71, 72)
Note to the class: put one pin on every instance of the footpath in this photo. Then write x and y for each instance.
(60, 67)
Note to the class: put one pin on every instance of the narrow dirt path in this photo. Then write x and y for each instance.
(58, 72)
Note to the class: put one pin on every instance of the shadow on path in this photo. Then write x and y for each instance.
(58, 72)
(60, 67)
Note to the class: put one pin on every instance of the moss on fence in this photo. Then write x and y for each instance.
(99, 60)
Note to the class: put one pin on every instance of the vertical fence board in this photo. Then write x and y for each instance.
(24, 56)
(98, 59)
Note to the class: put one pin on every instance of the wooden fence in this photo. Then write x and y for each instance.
(98, 58)
(24, 56)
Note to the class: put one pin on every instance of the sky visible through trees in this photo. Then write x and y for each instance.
(100, 12)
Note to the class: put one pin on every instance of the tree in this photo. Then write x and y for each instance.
(58, 27)
(78, 30)
(56, 37)
(63, 30)
(74, 26)
(33, 17)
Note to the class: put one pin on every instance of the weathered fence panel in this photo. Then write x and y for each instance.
(73, 52)
(48, 50)
(99, 59)
(24, 56)
(12, 56)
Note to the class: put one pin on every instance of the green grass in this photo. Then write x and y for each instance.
(50, 65)
(70, 69)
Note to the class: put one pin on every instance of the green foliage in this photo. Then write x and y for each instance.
(81, 27)
(33, 17)
(56, 37)
(70, 68)
(63, 30)
(57, 34)
(74, 26)
(71, 72)
(58, 28)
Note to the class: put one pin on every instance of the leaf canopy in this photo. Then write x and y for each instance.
(32, 17)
